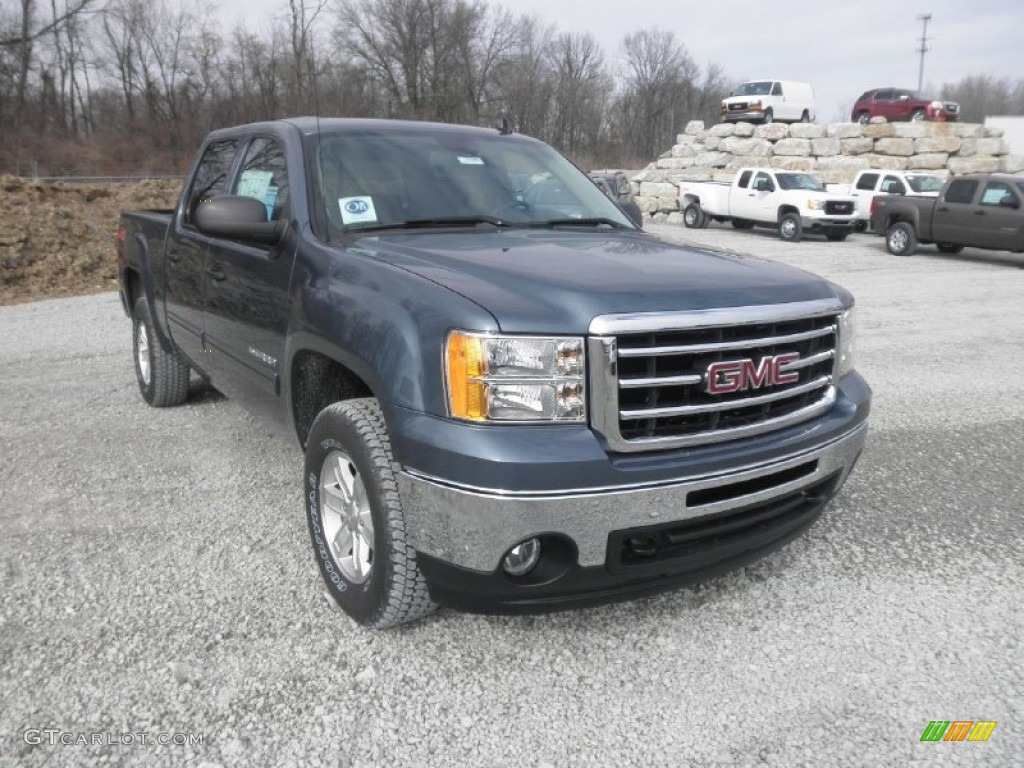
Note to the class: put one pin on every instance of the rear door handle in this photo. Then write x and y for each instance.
(979, 213)
(216, 274)
(943, 208)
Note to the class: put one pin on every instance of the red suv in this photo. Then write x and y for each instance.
(895, 104)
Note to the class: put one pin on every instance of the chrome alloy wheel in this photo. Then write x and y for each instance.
(788, 228)
(142, 352)
(346, 517)
(898, 240)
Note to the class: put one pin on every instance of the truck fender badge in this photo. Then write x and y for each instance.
(263, 357)
(729, 376)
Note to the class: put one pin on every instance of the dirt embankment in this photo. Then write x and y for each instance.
(57, 239)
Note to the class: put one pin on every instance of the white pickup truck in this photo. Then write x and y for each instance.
(792, 202)
(872, 182)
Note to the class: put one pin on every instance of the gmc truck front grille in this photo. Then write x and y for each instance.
(952, 108)
(838, 207)
(666, 380)
(738, 106)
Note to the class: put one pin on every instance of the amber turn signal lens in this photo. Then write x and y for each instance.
(466, 393)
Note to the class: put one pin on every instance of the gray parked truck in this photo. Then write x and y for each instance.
(509, 397)
(975, 211)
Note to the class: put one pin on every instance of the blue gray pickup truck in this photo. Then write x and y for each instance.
(510, 398)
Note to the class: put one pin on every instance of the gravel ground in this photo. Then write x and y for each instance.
(157, 577)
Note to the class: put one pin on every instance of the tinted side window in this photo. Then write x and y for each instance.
(211, 175)
(264, 176)
(867, 181)
(961, 191)
(745, 179)
(883, 96)
(777, 89)
(994, 193)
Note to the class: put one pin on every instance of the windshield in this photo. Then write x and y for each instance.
(413, 178)
(799, 181)
(925, 183)
(759, 88)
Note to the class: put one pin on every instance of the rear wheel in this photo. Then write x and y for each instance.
(863, 118)
(917, 115)
(949, 248)
(694, 217)
(162, 376)
(900, 239)
(356, 519)
(790, 228)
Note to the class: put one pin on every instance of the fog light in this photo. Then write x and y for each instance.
(521, 559)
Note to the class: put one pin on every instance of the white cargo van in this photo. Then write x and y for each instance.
(765, 101)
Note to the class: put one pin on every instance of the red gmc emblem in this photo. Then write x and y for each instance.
(741, 375)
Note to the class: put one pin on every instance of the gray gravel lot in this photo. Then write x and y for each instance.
(156, 576)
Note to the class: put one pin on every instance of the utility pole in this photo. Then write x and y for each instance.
(923, 48)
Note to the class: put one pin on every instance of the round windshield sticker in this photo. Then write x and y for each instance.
(356, 210)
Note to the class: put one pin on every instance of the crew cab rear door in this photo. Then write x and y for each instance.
(246, 316)
(186, 252)
(954, 219)
(999, 217)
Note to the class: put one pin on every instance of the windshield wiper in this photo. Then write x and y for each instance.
(438, 223)
(591, 222)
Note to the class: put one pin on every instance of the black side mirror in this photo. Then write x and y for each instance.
(1009, 201)
(632, 210)
(240, 218)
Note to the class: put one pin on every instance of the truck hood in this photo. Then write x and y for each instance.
(535, 281)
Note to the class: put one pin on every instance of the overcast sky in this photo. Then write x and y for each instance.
(841, 48)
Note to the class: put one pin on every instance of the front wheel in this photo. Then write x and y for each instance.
(162, 375)
(805, 117)
(917, 115)
(769, 116)
(900, 239)
(790, 228)
(694, 217)
(356, 520)
(863, 118)
(949, 248)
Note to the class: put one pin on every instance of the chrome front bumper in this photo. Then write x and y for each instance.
(474, 527)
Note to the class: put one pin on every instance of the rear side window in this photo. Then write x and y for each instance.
(211, 175)
(883, 96)
(745, 178)
(264, 176)
(961, 191)
(867, 181)
(994, 193)
(777, 89)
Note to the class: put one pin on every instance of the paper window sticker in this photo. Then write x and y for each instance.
(270, 200)
(254, 183)
(470, 160)
(357, 210)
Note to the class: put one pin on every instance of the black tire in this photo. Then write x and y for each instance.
(742, 224)
(790, 228)
(805, 117)
(863, 118)
(900, 239)
(769, 116)
(949, 248)
(694, 217)
(836, 237)
(917, 115)
(353, 432)
(860, 225)
(166, 382)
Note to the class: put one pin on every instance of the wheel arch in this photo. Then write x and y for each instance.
(787, 208)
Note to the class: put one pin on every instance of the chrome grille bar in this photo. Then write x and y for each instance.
(723, 346)
(726, 405)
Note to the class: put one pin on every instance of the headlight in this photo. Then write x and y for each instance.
(754, 103)
(515, 378)
(936, 105)
(816, 205)
(846, 341)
